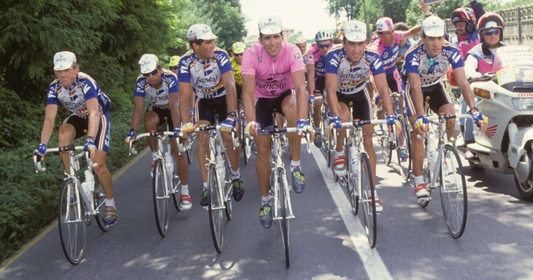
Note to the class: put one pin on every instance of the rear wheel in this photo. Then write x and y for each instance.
(284, 223)
(71, 225)
(228, 192)
(368, 200)
(453, 191)
(216, 213)
(161, 199)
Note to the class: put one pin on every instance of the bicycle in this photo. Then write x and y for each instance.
(447, 173)
(75, 214)
(360, 188)
(219, 187)
(280, 190)
(246, 140)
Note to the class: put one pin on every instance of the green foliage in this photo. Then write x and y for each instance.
(345, 8)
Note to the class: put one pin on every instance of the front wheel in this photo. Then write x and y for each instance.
(176, 190)
(215, 206)
(161, 199)
(284, 195)
(368, 200)
(71, 225)
(453, 191)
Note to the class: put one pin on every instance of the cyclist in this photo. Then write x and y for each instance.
(89, 115)
(425, 65)
(405, 44)
(236, 61)
(347, 69)
(316, 69)
(301, 43)
(207, 70)
(160, 88)
(272, 71)
(173, 64)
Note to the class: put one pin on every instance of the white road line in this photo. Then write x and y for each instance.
(374, 266)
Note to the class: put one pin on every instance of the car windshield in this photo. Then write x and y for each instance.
(514, 68)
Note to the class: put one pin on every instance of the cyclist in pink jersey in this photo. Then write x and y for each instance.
(272, 72)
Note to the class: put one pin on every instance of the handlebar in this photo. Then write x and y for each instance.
(355, 123)
(444, 117)
(37, 158)
(234, 138)
(271, 130)
(147, 134)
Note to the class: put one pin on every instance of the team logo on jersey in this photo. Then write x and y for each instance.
(260, 59)
(297, 56)
(385, 55)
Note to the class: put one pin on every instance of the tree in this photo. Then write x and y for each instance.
(348, 8)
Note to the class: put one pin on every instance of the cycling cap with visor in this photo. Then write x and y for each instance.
(300, 40)
(355, 31)
(384, 24)
(148, 63)
(64, 60)
(238, 47)
(433, 26)
(174, 61)
(269, 25)
(200, 32)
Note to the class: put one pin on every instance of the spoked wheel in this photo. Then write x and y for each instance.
(99, 205)
(403, 142)
(161, 199)
(353, 192)
(189, 152)
(176, 187)
(453, 192)
(228, 192)
(215, 206)
(284, 195)
(368, 200)
(247, 149)
(70, 218)
(386, 152)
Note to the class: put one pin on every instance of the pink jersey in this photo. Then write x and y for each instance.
(313, 54)
(273, 76)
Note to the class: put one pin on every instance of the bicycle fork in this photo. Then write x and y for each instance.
(285, 189)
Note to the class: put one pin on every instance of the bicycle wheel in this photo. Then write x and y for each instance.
(404, 163)
(190, 152)
(284, 195)
(353, 193)
(383, 141)
(228, 192)
(368, 200)
(176, 190)
(99, 205)
(161, 199)
(216, 213)
(71, 225)
(453, 191)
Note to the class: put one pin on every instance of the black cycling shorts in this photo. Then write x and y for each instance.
(265, 107)
(320, 85)
(437, 94)
(361, 103)
(206, 109)
(164, 116)
(81, 125)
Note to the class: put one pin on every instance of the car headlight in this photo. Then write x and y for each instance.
(523, 104)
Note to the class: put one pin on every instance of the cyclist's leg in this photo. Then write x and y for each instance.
(152, 118)
(204, 116)
(263, 114)
(181, 158)
(220, 108)
(317, 114)
(441, 101)
(339, 159)
(289, 108)
(73, 127)
(417, 145)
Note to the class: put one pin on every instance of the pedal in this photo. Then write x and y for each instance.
(423, 200)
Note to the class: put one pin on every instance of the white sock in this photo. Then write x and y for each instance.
(184, 189)
(235, 174)
(154, 156)
(419, 180)
(110, 202)
(205, 186)
(265, 200)
(295, 164)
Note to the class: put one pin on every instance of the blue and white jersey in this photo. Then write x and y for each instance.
(351, 77)
(205, 77)
(157, 97)
(74, 97)
(417, 61)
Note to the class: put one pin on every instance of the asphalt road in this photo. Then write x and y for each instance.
(327, 241)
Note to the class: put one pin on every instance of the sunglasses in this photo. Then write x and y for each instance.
(153, 73)
(237, 54)
(431, 65)
(323, 46)
(174, 68)
(492, 32)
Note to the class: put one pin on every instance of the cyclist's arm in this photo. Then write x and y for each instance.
(174, 109)
(331, 93)
(248, 87)
(416, 92)
(464, 87)
(412, 31)
(231, 93)
(384, 92)
(138, 104)
(311, 78)
(184, 93)
(48, 125)
(298, 78)
(94, 116)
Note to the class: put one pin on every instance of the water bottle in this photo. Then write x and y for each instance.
(88, 187)
(432, 151)
(221, 168)
(169, 164)
(354, 161)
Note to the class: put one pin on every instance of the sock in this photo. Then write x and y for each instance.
(110, 202)
(184, 189)
(205, 186)
(317, 129)
(294, 164)
(265, 200)
(154, 156)
(235, 174)
(419, 180)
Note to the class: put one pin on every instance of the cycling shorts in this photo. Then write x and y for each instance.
(394, 81)
(320, 85)
(206, 109)
(265, 107)
(164, 116)
(238, 88)
(81, 125)
(360, 102)
(437, 94)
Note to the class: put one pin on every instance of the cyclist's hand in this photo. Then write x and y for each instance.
(252, 127)
(40, 151)
(336, 121)
(187, 128)
(90, 147)
(480, 120)
(228, 125)
(131, 136)
(178, 134)
(302, 127)
(421, 125)
(393, 120)
(311, 99)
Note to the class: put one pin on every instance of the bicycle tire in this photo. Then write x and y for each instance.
(216, 215)
(405, 166)
(246, 149)
(99, 205)
(353, 192)
(368, 200)
(228, 193)
(71, 234)
(453, 192)
(176, 193)
(284, 223)
(160, 199)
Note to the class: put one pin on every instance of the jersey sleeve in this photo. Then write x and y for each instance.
(248, 62)
(173, 83)
(296, 60)
(374, 59)
(223, 61)
(332, 62)
(51, 95)
(455, 58)
(184, 74)
(90, 90)
(139, 87)
(313, 55)
(411, 63)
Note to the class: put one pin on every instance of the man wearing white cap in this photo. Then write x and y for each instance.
(272, 71)
(425, 64)
(160, 88)
(347, 70)
(89, 118)
(207, 70)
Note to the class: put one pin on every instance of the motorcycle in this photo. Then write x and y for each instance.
(506, 98)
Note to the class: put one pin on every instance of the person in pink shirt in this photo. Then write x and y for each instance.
(273, 76)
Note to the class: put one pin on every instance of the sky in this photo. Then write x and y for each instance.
(308, 16)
